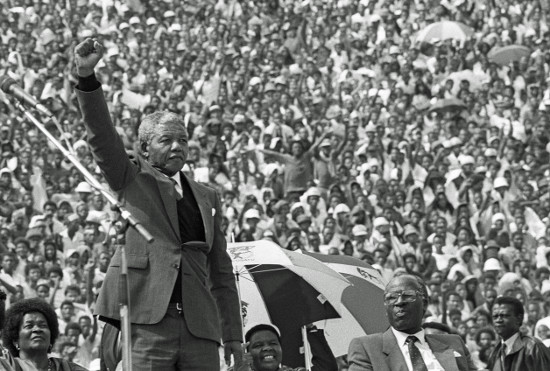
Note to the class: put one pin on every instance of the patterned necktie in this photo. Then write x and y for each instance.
(177, 188)
(416, 358)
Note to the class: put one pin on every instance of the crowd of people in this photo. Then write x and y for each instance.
(325, 126)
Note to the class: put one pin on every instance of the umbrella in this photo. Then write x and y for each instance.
(362, 309)
(475, 79)
(507, 54)
(444, 30)
(285, 288)
(450, 104)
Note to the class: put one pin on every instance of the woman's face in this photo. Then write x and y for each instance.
(34, 333)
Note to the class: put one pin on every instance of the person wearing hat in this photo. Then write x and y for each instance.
(251, 219)
(315, 207)
(188, 302)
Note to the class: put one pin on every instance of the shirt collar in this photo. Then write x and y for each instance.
(402, 336)
(510, 342)
(176, 177)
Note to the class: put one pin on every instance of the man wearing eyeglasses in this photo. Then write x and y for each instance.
(405, 346)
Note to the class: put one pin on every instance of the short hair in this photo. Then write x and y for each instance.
(14, 317)
(485, 330)
(419, 281)
(74, 288)
(149, 122)
(22, 240)
(55, 269)
(514, 303)
(66, 302)
(30, 266)
(409, 256)
(72, 326)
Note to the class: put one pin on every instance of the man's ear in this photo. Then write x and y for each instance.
(144, 149)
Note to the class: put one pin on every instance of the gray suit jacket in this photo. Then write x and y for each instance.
(208, 283)
(380, 352)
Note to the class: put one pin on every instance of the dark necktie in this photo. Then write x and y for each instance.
(503, 357)
(177, 189)
(416, 358)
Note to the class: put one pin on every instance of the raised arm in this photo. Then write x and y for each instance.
(103, 139)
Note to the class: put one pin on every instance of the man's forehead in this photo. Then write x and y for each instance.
(403, 282)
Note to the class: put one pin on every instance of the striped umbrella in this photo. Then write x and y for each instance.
(362, 309)
(285, 288)
(508, 54)
(444, 30)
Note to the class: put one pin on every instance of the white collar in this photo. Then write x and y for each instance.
(510, 342)
(402, 336)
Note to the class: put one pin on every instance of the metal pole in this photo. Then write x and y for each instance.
(125, 214)
(307, 349)
(125, 325)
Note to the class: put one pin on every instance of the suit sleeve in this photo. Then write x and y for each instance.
(104, 141)
(358, 359)
(223, 286)
(471, 364)
(537, 357)
(323, 358)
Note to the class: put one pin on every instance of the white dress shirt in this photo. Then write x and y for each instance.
(431, 362)
(510, 342)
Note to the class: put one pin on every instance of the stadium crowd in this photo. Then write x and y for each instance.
(326, 126)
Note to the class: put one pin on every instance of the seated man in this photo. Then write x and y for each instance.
(406, 342)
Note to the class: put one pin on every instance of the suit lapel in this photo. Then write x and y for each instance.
(394, 356)
(205, 208)
(443, 353)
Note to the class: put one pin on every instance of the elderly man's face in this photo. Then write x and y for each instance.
(167, 149)
(405, 314)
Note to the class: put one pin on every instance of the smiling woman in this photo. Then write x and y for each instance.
(30, 330)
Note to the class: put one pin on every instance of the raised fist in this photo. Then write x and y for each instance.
(87, 54)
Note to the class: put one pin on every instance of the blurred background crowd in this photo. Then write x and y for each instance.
(349, 127)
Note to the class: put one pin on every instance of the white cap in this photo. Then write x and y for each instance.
(151, 21)
(169, 13)
(359, 230)
(490, 152)
(491, 264)
(466, 160)
(255, 81)
(83, 187)
(380, 222)
(123, 26)
(134, 20)
(500, 182)
(252, 214)
(341, 208)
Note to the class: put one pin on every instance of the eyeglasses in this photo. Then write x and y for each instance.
(407, 296)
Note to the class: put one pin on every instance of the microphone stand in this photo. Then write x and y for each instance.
(124, 214)
(90, 179)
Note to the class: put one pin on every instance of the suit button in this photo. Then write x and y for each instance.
(176, 265)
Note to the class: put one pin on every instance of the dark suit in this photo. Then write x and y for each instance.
(380, 352)
(208, 283)
(527, 354)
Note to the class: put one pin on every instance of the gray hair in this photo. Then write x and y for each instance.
(150, 122)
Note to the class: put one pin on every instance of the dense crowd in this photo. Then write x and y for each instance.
(326, 126)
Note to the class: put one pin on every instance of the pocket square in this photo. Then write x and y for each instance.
(213, 212)
(456, 354)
